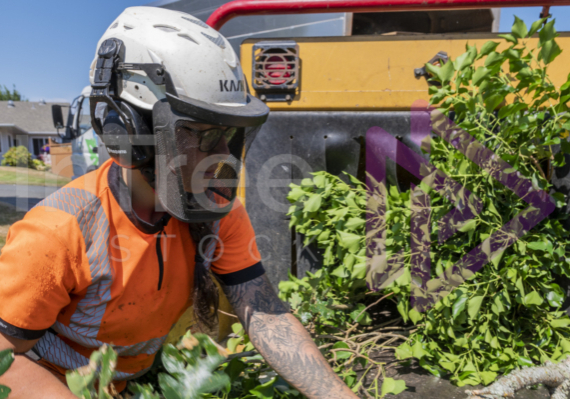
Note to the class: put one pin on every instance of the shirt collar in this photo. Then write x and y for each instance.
(123, 197)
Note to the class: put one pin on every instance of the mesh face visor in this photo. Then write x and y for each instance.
(198, 165)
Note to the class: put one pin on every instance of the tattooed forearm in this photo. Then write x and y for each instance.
(255, 295)
(283, 341)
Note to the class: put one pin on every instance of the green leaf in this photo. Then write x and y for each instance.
(510, 38)
(107, 369)
(78, 383)
(519, 28)
(264, 391)
(519, 284)
(487, 377)
(533, 298)
(465, 59)
(494, 59)
(524, 361)
(433, 369)
(554, 298)
(493, 101)
(234, 369)
(359, 271)
(549, 51)
(470, 225)
(313, 203)
(473, 306)
(340, 271)
(392, 386)
(418, 351)
(350, 241)
(361, 316)
(354, 223)
(479, 75)
(446, 72)
(449, 366)
(560, 323)
(295, 194)
(415, 316)
(4, 391)
(285, 286)
(342, 354)
(404, 351)
(6, 359)
(565, 344)
(536, 25)
(320, 181)
(459, 305)
(295, 300)
(547, 33)
(237, 328)
(537, 245)
(511, 109)
(488, 48)
(233, 343)
(434, 70)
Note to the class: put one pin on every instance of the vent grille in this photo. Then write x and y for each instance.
(218, 41)
(276, 66)
(167, 28)
(197, 22)
(184, 36)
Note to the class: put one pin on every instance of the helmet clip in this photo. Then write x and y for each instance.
(155, 72)
(104, 82)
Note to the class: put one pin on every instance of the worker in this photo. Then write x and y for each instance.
(118, 255)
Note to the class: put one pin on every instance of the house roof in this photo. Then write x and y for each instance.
(32, 117)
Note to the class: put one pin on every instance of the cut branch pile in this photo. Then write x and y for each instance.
(360, 346)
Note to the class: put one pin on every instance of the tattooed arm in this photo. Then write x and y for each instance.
(283, 341)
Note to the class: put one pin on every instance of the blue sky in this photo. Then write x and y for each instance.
(47, 46)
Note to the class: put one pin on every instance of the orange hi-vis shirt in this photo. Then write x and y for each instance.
(81, 270)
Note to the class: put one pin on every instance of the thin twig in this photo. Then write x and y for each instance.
(330, 337)
(227, 314)
(366, 392)
(355, 353)
(242, 354)
(364, 310)
(535, 162)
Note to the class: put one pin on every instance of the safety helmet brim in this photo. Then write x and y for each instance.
(253, 113)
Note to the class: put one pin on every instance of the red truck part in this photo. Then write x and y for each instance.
(239, 8)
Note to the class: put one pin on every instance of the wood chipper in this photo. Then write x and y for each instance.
(326, 92)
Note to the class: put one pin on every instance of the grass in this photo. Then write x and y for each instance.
(8, 216)
(16, 175)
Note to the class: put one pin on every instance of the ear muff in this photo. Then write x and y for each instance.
(128, 150)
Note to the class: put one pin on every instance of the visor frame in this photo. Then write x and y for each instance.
(254, 113)
(169, 186)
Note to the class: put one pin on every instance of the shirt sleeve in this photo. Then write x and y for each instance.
(35, 282)
(237, 258)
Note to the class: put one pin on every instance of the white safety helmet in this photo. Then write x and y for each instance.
(176, 67)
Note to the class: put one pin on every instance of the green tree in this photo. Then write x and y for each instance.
(6, 94)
